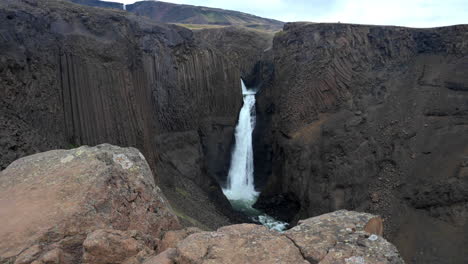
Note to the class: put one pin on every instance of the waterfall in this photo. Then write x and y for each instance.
(240, 181)
(240, 189)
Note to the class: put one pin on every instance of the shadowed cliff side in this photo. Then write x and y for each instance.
(73, 75)
(243, 47)
(374, 119)
(251, 52)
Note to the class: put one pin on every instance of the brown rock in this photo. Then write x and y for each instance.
(238, 244)
(29, 255)
(53, 200)
(166, 257)
(171, 238)
(337, 237)
(54, 256)
(375, 226)
(114, 246)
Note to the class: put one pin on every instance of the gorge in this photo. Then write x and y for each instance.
(358, 117)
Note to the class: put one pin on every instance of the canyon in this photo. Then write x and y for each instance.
(365, 118)
(100, 204)
(371, 119)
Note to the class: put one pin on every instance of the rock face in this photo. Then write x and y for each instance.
(73, 75)
(114, 246)
(331, 238)
(171, 238)
(242, 46)
(188, 14)
(375, 119)
(54, 203)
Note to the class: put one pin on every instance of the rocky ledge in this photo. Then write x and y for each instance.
(100, 205)
(337, 237)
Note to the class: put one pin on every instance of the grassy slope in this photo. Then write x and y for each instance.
(194, 17)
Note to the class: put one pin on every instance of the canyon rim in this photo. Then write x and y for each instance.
(164, 133)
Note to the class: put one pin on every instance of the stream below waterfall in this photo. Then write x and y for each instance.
(240, 189)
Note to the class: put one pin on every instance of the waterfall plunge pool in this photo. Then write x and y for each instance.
(245, 206)
(240, 189)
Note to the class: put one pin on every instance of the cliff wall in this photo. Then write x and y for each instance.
(243, 47)
(74, 75)
(374, 119)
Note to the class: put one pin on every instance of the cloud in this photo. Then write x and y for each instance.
(411, 13)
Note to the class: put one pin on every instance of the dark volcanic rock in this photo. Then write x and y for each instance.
(372, 118)
(73, 75)
(242, 46)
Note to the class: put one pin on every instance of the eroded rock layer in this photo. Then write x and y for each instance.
(375, 119)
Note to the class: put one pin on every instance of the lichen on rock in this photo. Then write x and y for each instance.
(54, 201)
(337, 237)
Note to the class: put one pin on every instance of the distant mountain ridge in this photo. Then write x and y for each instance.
(188, 14)
(99, 3)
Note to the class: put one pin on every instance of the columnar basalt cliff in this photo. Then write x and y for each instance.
(375, 119)
(73, 75)
(244, 47)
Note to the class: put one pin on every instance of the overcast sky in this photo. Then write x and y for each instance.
(410, 13)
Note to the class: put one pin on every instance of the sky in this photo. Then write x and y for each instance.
(409, 13)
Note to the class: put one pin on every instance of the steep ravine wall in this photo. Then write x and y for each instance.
(73, 75)
(243, 47)
(374, 119)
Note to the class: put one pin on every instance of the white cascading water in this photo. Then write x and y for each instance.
(240, 189)
(240, 181)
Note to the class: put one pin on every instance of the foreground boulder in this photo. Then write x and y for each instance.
(337, 237)
(52, 202)
(114, 246)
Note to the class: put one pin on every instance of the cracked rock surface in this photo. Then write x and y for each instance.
(54, 201)
(337, 237)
